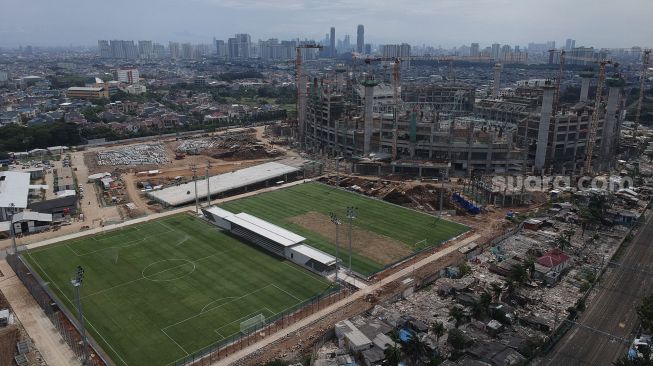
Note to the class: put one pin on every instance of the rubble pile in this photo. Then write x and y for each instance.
(143, 154)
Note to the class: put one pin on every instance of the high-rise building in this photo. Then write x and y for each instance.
(332, 43)
(239, 47)
(395, 50)
(174, 49)
(186, 51)
(570, 44)
(474, 50)
(368, 48)
(220, 48)
(159, 51)
(104, 48)
(145, 49)
(496, 49)
(360, 38)
(128, 76)
(346, 44)
(117, 49)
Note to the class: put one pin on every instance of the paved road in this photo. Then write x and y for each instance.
(612, 310)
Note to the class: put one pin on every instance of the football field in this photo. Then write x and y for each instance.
(382, 233)
(156, 292)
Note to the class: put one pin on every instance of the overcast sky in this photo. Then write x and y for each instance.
(601, 23)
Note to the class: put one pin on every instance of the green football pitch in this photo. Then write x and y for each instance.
(156, 292)
(385, 232)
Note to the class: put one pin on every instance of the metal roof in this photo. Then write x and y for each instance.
(31, 216)
(14, 188)
(265, 229)
(219, 212)
(315, 254)
(185, 193)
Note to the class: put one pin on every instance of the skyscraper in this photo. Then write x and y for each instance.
(145, 49)
(239, 46)
(474, 50)
(570, 44)
(332, 43)
(360, 39)
(174, 49)
(496, 49)
(105, 50)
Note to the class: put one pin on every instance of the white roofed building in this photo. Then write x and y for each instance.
(272, 238)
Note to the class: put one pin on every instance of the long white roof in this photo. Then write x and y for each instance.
(14, 188)
(179, 195)
(315, 254)
(265, 229)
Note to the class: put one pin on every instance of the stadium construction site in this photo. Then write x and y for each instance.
(187, 287)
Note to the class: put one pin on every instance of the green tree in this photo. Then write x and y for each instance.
(496, 290)
(438, 330)
(645, 313)
(393, 354)
(457, 314)
(457, 339)
(464, 269)
(518, 273)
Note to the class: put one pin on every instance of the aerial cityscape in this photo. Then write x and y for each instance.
(301, 183)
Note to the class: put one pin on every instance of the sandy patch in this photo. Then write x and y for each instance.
(381, 249)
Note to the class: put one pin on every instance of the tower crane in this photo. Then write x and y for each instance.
(645, 62)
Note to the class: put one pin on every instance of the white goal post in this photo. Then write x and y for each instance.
(252, 323)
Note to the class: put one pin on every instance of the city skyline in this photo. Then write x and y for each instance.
(443, 23)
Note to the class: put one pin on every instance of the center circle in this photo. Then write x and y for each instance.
(168, 270)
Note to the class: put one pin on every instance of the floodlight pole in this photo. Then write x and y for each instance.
(352, 213)
(208, 187)
(336, 221)
(338, 158)
(77, 284)
(193, 167)
(12, 230)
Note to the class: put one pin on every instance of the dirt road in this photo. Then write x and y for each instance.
(49, 342)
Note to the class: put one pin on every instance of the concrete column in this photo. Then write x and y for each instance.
(585, 89)
(543, 131)
(609, 136)
(497, 80)
(369, 97)
(301, 106)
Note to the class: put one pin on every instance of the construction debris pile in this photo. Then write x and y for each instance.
(241, 145)
(142, 154)
(424, 197)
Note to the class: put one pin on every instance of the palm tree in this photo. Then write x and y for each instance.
(438, 330)
(496, 290)
(393, 354)
(458, 314)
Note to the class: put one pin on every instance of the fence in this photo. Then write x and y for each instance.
(62, 320)
(272, 325)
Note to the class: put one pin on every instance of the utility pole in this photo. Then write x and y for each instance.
(77, 284)
(336, 221)
(208, 187)
(193, 167)
(352, 212)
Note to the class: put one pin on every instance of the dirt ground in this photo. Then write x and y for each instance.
(381, 249)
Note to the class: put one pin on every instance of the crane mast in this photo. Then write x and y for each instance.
(646, 60)
(594, 123)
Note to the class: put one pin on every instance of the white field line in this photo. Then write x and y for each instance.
(287, 293)
(175, 342)
(128, 244)
(222, 298)
(156, 273)
(87, 321)
(217, 307)
(260, 311)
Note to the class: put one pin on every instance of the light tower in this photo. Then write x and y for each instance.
(193, 168)
(77, 284)
(336, 221)
(352, 213)
(208, 187)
